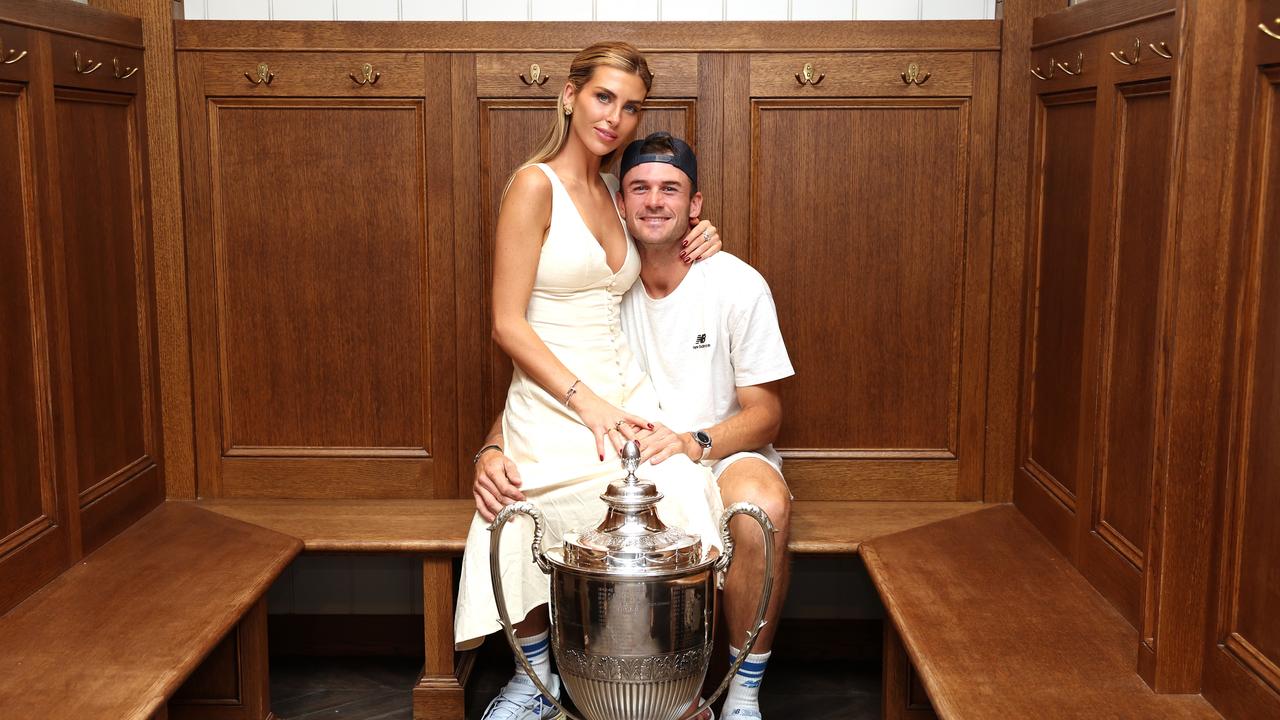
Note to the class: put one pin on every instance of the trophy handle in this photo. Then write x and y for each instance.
(495, 574)
(766, 589)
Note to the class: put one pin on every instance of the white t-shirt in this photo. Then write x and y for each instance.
(716, 332)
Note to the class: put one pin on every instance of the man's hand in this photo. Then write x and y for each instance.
(662, 442)
(496, 485)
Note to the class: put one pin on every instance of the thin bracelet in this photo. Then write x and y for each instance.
(573, 390)
(483, 450)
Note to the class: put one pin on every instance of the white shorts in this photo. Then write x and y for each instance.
(774, 462)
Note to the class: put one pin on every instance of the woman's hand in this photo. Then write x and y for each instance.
(701, 242)
(605, 420)
(662, 442)
(496, 484)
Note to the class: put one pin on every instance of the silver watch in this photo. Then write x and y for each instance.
(704, 441)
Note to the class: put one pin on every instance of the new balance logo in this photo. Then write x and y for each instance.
(701, 342)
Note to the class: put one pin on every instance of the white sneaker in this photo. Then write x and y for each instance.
(520, 700)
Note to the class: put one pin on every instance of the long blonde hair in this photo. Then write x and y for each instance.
(614, 54)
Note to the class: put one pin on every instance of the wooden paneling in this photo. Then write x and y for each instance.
(498, 75)
(1055, 329)
(1115, 540)
(892, 312)
(1243, 668)
(509, 131)
(232, 682)
(35, 541)
(865, 267)
(863, 74)
(111, 338)
(309, 74)
(319, 344)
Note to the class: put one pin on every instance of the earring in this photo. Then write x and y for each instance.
(568, 112)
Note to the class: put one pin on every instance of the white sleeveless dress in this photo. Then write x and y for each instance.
(574, 309)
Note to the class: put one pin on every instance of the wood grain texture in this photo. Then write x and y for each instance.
(35, 540)
(440, 526)
(309, 74)
(1243, 652)
(1204, 232)
(1009, 253)
(498, 74)
(143, 625)
(107, 289)
(994, 569)
(169, 246)
(901, 695)
(232, 683)
(572, 37)
(903, 387)
(77, 20)
(863, 74)
(1084, 19)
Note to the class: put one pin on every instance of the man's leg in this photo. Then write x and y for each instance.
(757, 482)
(519, 699)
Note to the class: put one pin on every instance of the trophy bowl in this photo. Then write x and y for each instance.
(632, 605)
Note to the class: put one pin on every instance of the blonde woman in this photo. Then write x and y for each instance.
(562, 264)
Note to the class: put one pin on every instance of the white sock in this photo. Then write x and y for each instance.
(538, 649)
(744, 689)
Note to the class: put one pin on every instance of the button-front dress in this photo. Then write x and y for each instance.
(574, 309)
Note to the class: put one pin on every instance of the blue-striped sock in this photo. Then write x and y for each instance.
(744, 690)
(538, 649)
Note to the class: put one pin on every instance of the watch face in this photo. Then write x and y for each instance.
(703, 438)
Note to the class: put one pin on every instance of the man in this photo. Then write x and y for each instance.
(707, 333)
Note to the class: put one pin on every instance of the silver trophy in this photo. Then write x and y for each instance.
(632, 605)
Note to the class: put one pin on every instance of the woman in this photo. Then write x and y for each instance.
(562, 264)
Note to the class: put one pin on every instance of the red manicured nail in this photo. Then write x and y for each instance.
(601, 458)
(688, 260)
(650, 426)
(684, 244)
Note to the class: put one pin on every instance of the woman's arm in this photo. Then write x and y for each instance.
(522, 224)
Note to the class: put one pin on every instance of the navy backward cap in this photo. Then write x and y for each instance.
(684, 159)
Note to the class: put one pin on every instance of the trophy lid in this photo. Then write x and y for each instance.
(631, 539)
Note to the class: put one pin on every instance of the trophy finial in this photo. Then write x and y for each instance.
(631, 460)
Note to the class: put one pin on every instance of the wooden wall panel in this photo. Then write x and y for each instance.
(1131, 300)
(106, 257)
(35, 540)
(320, 343)
(1055, 330)
(868, 302)
(509, 132)
(871, 303)
(1243, 668)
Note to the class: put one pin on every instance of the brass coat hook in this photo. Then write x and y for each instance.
(805, 76)
(264, 77)
(1263, 27)
(913, 77)
(126, 73)
(1123, 59)
(84, 68)
(1162, 50)
(12, 56)
(1079, 65)
(367, 76)
(535, 76)
(1036, 71)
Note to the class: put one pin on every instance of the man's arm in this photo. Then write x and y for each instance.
(751, 428)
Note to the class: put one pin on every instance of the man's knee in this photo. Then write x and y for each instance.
(758, 483)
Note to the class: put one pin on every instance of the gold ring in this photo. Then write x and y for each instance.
(618, 425)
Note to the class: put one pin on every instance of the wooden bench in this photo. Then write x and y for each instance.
(999, 625)
(437, 531)
(115, 636)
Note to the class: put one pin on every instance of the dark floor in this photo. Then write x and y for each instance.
(379, 688)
